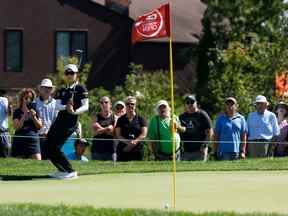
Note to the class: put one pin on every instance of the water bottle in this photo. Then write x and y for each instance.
(114, 158)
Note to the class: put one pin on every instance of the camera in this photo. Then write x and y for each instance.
(31, 105)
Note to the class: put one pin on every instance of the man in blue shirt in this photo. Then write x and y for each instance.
(230, 133)
(262, 127)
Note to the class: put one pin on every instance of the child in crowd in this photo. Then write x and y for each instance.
(80, 147)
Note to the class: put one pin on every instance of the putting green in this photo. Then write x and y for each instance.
(241, 191)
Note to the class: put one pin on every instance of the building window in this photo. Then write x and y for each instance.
(13, 40)
(71, 43)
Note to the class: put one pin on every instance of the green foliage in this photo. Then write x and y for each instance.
(244, 46)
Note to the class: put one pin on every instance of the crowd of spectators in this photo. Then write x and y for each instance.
(42, 125)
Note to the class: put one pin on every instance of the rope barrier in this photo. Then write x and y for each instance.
(151, 140)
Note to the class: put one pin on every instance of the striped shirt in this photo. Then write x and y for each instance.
(47, 113)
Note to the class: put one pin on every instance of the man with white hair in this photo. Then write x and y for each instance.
(46, 107)
(262, 127)
(160, 133)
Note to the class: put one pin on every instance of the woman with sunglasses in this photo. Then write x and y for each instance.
(71, 101)
(103, 129)
(26, 123)
(130, 129)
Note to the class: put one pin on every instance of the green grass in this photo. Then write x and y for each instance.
(211, 186)
(20, 167)
(45, 210)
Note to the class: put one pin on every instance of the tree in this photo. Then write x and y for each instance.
(243, 47)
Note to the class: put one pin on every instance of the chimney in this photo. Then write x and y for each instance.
(120, 6)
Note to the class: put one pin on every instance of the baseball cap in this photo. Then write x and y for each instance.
(231, 99)
(190, 97)
(261, 99)
(46, 83)
(130, 99)
(282, 104)
(119, 103)
(71, 67)
(160, 103)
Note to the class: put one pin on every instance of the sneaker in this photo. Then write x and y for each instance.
(71, 175)
(57, 174)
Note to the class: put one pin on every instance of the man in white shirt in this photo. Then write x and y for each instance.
(4, 135)
(46, 108)
(262, 127)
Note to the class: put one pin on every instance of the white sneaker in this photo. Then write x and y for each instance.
(57, 174)
(71, 175)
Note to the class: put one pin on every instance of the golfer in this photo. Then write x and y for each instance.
(71, 101)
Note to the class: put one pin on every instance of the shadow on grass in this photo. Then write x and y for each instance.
(23, 177)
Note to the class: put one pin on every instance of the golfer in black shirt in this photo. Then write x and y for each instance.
(71, 101)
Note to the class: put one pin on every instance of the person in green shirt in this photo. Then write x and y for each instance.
(160, 133)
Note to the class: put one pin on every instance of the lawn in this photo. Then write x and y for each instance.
(240, 186)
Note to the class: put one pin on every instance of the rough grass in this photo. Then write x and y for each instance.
(45, 210)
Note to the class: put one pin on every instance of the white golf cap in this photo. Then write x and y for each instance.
(119, 103)
(161, 103)
(231, 99)
(46, 83)
(71, 67)
(261, 99)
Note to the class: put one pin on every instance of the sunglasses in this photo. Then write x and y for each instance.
(104, 102)
(132, 104)
(190, 102)
(119, 107)
(45, 87)
(67, 73)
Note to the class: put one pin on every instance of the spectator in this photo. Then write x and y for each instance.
(281, 148)
(80, 147)
(131, 128)
(160, 133)
(5, 110)
(103, 129)
(46, 108)
(198, 130)
(262, 127)
(71, 101)
(119, 109)
(230, 133)
(26, 123)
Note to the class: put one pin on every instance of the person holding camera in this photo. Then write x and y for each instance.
(26, 123)
(71, 101)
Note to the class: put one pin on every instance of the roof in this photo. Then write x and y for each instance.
(186, 17)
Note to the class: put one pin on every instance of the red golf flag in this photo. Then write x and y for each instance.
(154, 24)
